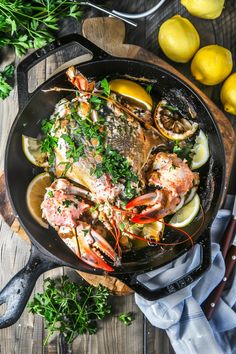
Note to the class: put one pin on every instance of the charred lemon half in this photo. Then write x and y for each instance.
(171, 123)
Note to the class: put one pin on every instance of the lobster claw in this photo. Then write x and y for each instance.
(156, 203)
(92, 246)
(145, 199)
(79, 80)
(148, 216)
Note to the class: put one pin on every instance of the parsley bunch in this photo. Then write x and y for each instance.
(70, 308)
(5, 88)
(28, 24)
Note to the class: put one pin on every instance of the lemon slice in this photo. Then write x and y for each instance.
(133, 91)
(201, 151)
(171, 123)
(35, 194)
(185, 215)
(32, 151)
(153, 231)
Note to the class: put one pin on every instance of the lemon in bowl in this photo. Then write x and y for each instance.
(178, 39)
(208, 9)
(211, 64)
(132, 91)
(228, 94)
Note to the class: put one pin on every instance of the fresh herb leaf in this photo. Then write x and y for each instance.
(67, 203)
(183, 150)
(171, 108)
(30, 24)
(5, 87)
(126, 318)
(8, 71)
(149, 88)
(69, 308)
(106, 87)
(50, 193)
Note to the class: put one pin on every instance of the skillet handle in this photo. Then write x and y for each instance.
(17, 292)
(151, 295)
(42, 53)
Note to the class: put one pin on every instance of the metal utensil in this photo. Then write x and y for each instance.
(102, 9)
(141, 14)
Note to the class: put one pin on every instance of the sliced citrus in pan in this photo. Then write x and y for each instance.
(187, 213)
(154, 230)
(200, 151)
(171, 123)
(35, 194)
(32, 151)
(133, 91)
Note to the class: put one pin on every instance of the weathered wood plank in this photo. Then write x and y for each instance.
(113, 337)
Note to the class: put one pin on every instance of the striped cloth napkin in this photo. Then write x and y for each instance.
(180, 314)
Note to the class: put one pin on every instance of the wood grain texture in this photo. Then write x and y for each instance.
(27, 335)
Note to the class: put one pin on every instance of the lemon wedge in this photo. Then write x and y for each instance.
(201, 151)
(32, 151)
(185, 215)
(154, 231)
(133, 91)
(35, 194)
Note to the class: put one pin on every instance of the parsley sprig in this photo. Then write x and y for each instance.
(49, 142)
(70, 308)
(26, 24)
(183, 150)
(126, 318)
(5, 75)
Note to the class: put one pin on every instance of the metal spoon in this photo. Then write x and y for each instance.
(88, 3)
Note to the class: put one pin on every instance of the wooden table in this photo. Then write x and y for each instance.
(26, 336)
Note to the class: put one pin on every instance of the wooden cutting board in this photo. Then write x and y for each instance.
(109, 34)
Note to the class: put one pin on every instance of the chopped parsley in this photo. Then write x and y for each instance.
(67, 203)
(85, 232)
(126, 318)
(96, 102)
(59, 210)
(184, 151)
(49, 142)
(75, 151)
(50, 194)
(149, 89)
(106, 87)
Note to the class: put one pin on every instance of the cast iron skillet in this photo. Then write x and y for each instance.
(48, 250)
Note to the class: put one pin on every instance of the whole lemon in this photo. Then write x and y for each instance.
(212, 64)
(228, 94)
(208, 9)
(178, 39)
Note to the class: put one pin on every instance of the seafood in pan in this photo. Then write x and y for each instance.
(118, 168)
